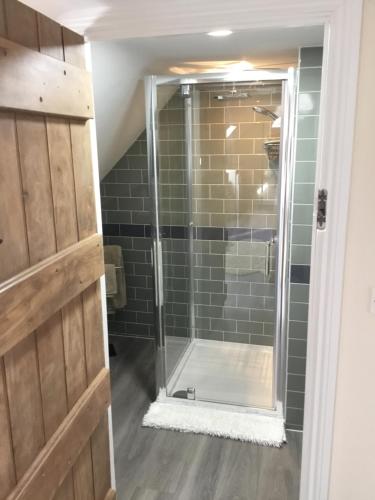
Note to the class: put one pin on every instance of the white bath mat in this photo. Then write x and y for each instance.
(243, 426)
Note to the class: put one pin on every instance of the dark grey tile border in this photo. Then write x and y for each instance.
(209, 233)
(200, 233)
(300, 274)
(111, 230)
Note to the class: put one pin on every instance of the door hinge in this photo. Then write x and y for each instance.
(321, 218)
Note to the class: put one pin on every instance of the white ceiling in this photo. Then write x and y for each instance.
(263, 48)
(117, 19)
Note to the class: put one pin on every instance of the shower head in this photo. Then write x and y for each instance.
(264, 111)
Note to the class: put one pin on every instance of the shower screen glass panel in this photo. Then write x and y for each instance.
(173, 189)
(219, 210)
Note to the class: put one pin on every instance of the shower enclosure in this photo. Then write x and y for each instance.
(220, 150)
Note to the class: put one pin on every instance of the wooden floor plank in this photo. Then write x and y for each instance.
(162, 465)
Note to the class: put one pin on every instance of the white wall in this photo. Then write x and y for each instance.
(118, 72)
(353, 458)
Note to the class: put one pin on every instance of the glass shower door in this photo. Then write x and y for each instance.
(171, 188)
(218, 177)
(236, 139)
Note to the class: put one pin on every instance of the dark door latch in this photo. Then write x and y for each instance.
(321, 218)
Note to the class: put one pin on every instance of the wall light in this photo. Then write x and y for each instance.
(220, 33)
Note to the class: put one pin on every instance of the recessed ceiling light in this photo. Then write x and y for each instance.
(220, 33)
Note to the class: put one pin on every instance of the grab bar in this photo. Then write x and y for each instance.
(267, 264)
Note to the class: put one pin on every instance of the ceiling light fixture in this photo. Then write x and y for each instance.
(219, 33)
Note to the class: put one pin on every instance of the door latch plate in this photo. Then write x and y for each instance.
(321, 219)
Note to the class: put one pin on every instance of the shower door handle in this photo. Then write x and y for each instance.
(157, 265)
(267, 264)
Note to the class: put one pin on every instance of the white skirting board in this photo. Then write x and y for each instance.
(267, 430)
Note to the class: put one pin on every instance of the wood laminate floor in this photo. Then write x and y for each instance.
(166, 465)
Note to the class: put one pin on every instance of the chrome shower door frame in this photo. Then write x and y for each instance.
(287, 153)
(282, 281)
(156, 254)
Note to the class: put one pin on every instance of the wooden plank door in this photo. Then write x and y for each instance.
(54, 387)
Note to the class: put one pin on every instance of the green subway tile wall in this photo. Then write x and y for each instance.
(310, 67)
(125, 201)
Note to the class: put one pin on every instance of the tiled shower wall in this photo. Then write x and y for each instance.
(303, 187)
(234, 213)
(126, 222)
(234, 210)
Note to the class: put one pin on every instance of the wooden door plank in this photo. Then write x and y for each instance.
(74, 48)
(53, 463)
(52, 373)
(63, 187)
(74, 347)
(14, 258)
(32, 137)
(83, 177)
(64, 196)
(21, 24)
(100, 459)
(30, 298)
(22, 362)
(83, 475)
(13, 242)
(43, 84)
(7, 468)
(36, 181)
(50, 37)
(50, 335)
(3, 28)
(25, 405)
(94, 341)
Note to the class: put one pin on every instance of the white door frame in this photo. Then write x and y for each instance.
(334, 161)
(342, 22)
